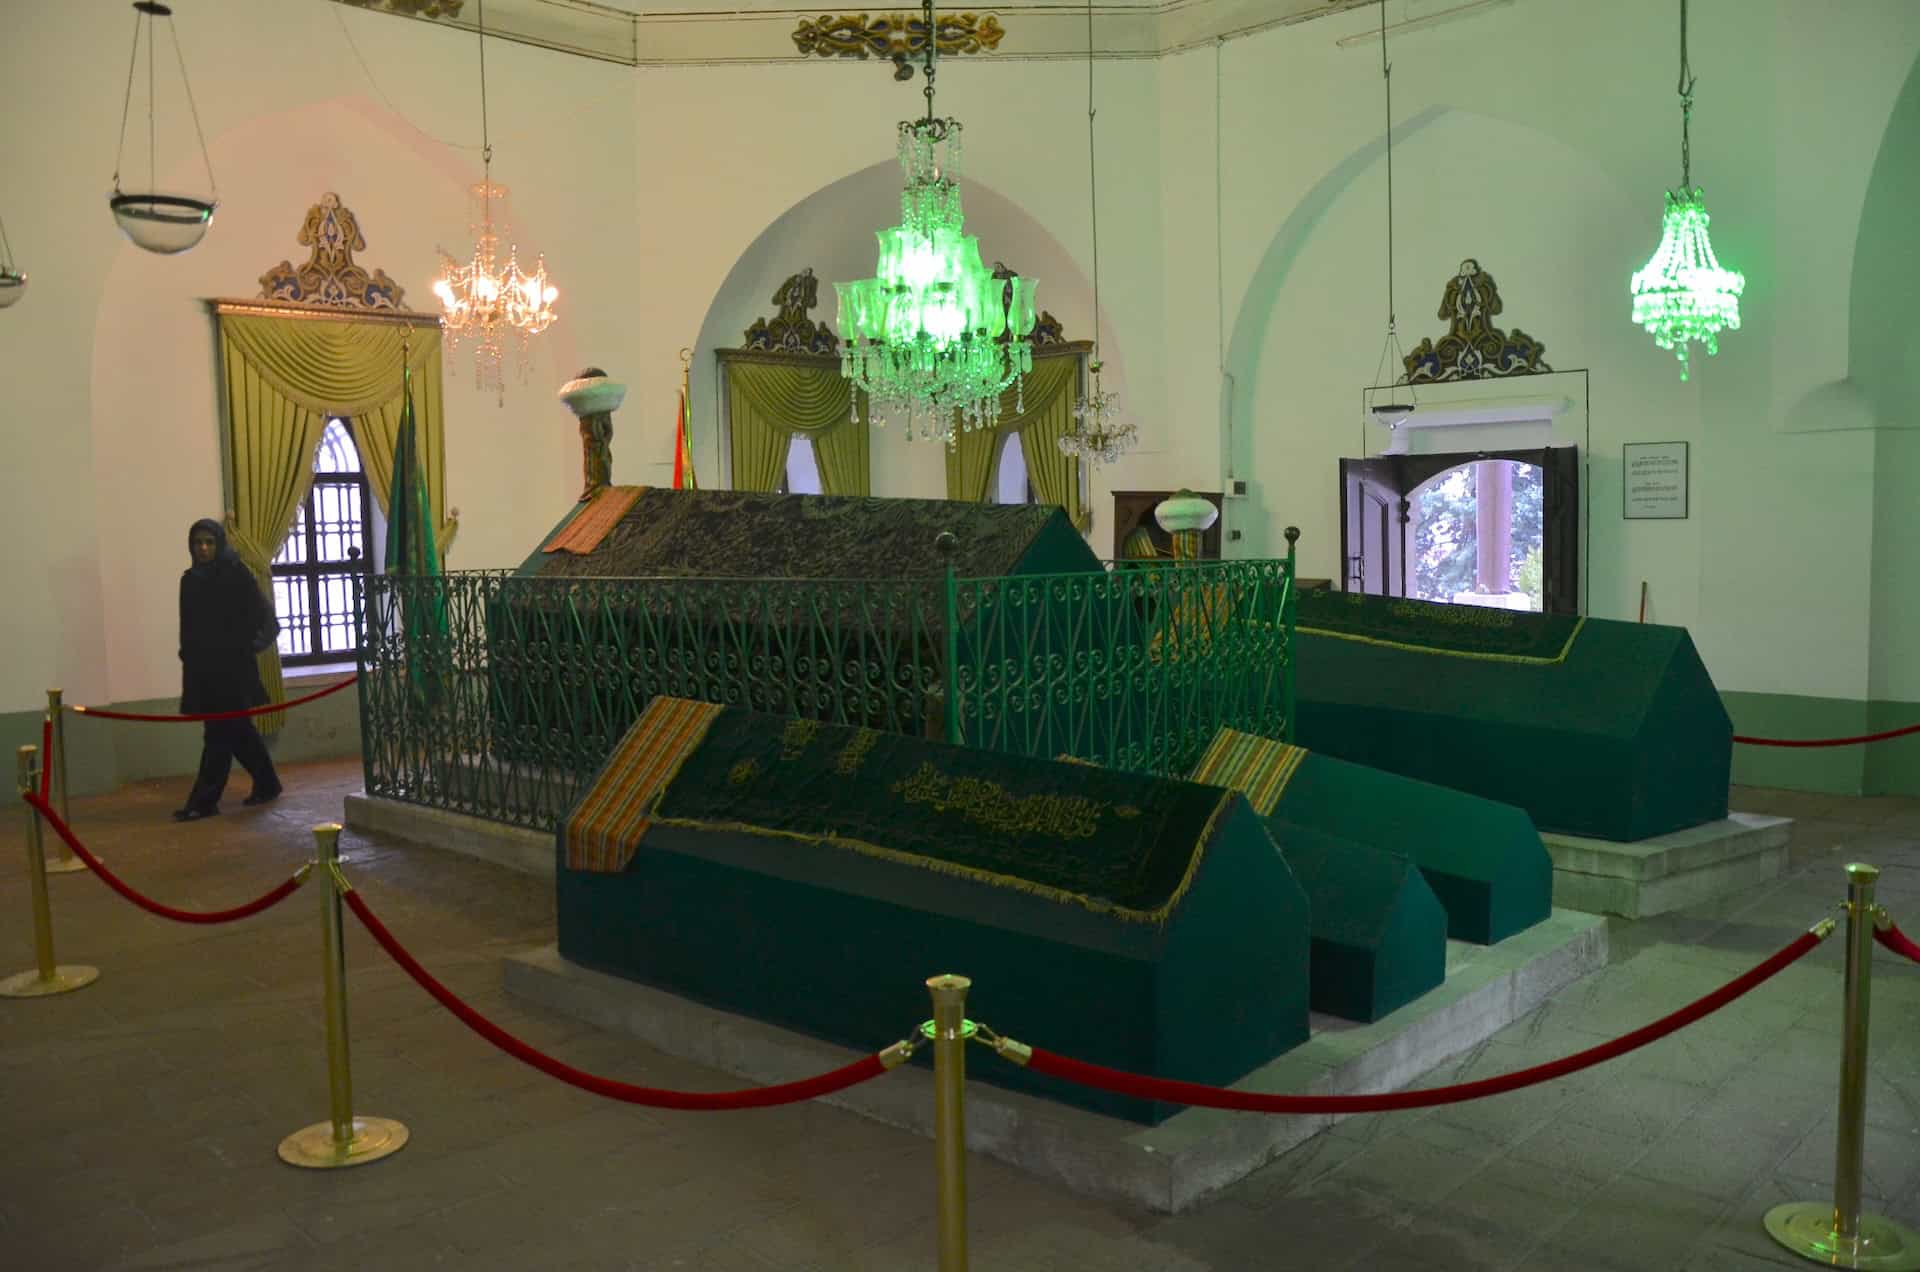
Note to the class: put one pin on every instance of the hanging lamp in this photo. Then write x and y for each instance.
(166, 224)
(1683, 295)
(935, 334)
(490, 302)
(1390, 413)
(13, 284)
(1096, 435)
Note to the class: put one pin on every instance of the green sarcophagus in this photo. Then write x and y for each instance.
(1598, 728)
(814, 875)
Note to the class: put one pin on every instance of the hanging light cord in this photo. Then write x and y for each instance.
(126, 104)
(486, 138)
(1093, 189)
(1686, 107)
(6, 250)
(1386, 73)
(1392, 342)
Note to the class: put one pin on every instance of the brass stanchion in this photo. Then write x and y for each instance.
(950, 1030)
(64, 862)
(47, 977)
(343, 1139)
(1839, 1235)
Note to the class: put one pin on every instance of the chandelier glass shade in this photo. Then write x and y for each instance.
(164, 224)
(493, 303)
(934, 335)
(1683, 295)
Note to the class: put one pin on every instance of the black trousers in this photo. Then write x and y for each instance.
(227, 741)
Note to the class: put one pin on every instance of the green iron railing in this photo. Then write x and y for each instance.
(500, 696)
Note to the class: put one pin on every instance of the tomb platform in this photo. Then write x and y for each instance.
(1667, 872)
(1168, 1167)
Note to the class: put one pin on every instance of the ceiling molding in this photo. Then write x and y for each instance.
(654, 34)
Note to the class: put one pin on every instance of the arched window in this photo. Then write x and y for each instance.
(1010, 484)
(330, 542)
(803, 468)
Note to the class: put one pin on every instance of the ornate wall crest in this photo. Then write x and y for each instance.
(412, 8)
(790, 330)
(330, 276)
(895, 35)
(1473, 348)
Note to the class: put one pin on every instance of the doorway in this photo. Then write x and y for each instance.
(1491, 528)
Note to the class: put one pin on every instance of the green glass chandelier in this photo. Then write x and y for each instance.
(1683, 296)
(935, 337)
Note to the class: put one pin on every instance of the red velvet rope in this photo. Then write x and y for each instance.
(1899, 942)
(46, 756)
(1195, 1093)
(270, 708)
(1864, 737)
(151, 906)
(653, 1097)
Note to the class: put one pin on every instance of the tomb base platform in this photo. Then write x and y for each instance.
(1667, 872)
(1165, 1168)
(514, 847)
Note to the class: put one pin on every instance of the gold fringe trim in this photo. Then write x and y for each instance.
(1060, 896)
(1456, 653)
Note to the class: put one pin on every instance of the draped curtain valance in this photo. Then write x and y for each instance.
(283, 378)
(768, 402)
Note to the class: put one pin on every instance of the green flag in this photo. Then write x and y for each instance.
(413, 563)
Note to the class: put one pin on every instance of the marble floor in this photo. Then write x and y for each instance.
(141, 1114)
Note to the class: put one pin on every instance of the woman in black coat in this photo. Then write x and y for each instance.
(224, 623)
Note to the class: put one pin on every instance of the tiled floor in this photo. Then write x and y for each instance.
(141, 1115)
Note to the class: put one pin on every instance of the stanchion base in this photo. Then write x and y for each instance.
(1806, 1228)
(315, 1148)
(66, 865)
(66, 979)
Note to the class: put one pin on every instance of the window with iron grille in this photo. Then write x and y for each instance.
(330, 542)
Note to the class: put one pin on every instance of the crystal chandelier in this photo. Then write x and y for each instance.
(935, 334)
(1683, 295)
(483, 299)
(1096, 435)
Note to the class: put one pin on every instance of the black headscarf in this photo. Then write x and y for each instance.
(224, 621)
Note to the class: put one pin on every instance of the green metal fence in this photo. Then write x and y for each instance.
(500, 696)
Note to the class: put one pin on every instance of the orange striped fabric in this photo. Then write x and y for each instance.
(592, 523)
(608, 822)
(1257, 767)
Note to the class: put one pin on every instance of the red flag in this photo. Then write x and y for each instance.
(683, 478)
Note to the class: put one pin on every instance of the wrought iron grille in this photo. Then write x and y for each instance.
(500, 696)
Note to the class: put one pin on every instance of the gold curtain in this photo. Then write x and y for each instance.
(768, 403)
(1052, 388)
(284, 377)
(377, 429)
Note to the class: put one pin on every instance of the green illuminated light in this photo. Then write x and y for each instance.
(925, 335)
(1682, 295)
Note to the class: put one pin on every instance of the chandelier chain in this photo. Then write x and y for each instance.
(6, 248)
(1686, 106)
(933, 40)
(486, 138)
(153, 92)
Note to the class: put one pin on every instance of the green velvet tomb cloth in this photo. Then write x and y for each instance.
(1475, 630)
(806, 908)
(1098, 836)
(1622, 738)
